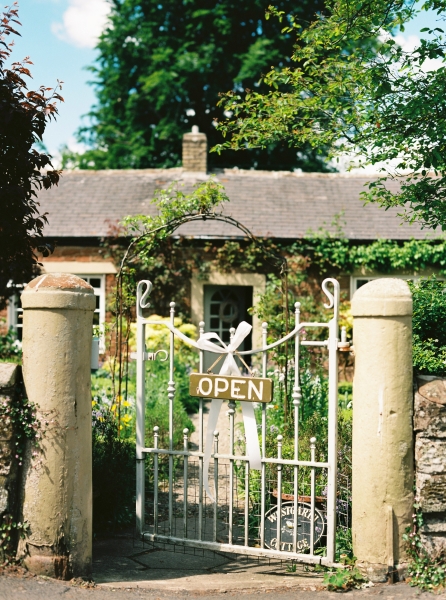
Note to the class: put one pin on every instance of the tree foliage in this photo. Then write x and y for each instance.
(162, 65)
(429, 326)
(23, 169)
(381, 105)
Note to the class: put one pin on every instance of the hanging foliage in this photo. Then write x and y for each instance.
(24, 170)
(142, 257)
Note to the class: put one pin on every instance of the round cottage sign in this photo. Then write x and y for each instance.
(287, 527)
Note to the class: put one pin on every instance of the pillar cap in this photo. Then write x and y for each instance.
(195, 135)
(386, 297)
(59, 290)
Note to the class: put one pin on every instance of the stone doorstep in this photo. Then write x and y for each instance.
(218, 585)
(129, 564)
(217, 582)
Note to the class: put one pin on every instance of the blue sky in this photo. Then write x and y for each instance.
(61, 48)
(59, 37)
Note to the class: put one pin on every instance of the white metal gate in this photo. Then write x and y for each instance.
(245, 513)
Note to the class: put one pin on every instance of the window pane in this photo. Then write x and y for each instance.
(98, 302)
(96, 318)
(361, 282)
(95, 282)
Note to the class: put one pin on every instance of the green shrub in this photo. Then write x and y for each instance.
(344, 579)
(157, 372)
(426, 569)
(157, 380)
(114, 457)
(10, 347)
(429, 326)
(157, 403)
(114, 461)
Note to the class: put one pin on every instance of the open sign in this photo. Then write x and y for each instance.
(247, 389)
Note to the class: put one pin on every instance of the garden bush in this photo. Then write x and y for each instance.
(10, 347)
(114, 455)
(429, 326)
(114, 460)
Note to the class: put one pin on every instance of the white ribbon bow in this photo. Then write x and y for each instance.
(229, 367)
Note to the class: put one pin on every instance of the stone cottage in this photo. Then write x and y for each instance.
(282, 205)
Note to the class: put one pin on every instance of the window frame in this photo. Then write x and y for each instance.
(100, 293)
(14, 309)
(405, 277)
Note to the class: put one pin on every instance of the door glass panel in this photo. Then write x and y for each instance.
(225, 307)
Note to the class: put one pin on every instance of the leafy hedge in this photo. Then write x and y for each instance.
(429, 326)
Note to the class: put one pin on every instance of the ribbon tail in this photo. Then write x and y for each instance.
(252, 439)
(214, 413)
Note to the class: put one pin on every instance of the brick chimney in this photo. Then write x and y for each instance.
(195, 151)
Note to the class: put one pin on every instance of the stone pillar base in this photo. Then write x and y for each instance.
(53, 566)
(380, 573)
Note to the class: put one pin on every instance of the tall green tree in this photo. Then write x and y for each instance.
(162, 65)
(387, 107)
(24, 170)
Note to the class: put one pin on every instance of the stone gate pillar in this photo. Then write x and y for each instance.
(57, 333)
(383, 473)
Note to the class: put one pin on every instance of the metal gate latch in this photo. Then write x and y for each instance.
(150, 355)
(344, 345)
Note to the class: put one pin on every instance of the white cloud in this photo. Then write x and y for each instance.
(82, 22)
(409, 43)
(355, 162)
(73, 145)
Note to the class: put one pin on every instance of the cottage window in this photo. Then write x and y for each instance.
(359, 281)
(15, 315)
(97, 282)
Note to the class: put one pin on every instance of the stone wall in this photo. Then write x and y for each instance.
(430, 459)
(10, 378)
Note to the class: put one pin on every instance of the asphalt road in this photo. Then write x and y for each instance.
(19, 585)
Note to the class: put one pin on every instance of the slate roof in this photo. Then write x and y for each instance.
(271, 204)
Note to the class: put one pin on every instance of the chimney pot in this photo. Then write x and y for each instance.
(195, 148)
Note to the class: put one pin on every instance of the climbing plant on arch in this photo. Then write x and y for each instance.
(152, 235)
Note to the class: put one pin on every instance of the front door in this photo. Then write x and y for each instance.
(225, 306)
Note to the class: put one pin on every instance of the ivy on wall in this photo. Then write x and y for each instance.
(293, 269)
(321, 254)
